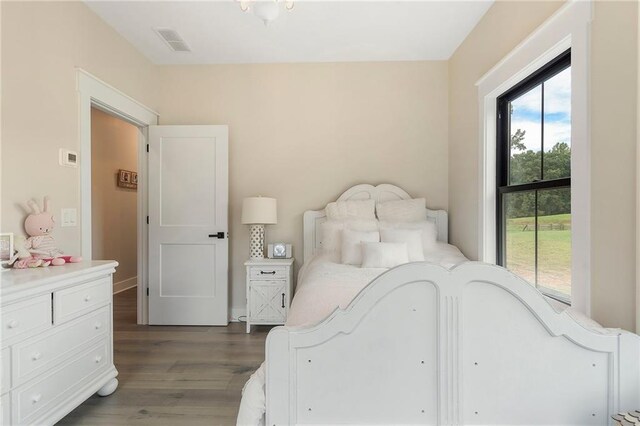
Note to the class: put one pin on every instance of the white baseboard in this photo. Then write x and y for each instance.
(236, 313)
(125, 284)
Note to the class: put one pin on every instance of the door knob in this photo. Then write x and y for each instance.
(217, 235)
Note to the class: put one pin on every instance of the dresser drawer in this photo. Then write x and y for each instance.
(39, 354)
(73, 302)
(23, 319)
(5, 406)
(5, 378)
(268, 272)
(31, 401)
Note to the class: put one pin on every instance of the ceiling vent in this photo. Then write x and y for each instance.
(173, 39)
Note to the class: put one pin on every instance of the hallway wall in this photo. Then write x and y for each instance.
(114, 145)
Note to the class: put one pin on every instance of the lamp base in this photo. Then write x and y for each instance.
(256, 243)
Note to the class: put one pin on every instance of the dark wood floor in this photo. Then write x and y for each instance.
(173, 375)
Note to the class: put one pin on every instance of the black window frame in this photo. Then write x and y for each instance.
(503, 156)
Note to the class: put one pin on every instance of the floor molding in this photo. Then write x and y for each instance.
(125, 285)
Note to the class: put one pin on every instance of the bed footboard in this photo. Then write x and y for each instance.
(473, 345)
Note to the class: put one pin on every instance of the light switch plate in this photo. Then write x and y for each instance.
(69, 217)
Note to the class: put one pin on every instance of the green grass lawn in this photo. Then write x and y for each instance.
(554, 250)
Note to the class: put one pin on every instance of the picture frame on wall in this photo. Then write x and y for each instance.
(127, 179)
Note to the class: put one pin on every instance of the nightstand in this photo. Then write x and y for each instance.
(269, 291)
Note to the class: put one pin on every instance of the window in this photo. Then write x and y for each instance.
(533, 178)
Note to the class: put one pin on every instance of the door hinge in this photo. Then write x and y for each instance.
(147, 147)
(147, 220)
(147, 291)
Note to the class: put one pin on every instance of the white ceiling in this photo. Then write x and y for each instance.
(218, 32)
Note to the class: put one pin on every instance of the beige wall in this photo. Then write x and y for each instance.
(114, 146)
(614, 41)
(42, 43)
(303, 133)
(613, 109)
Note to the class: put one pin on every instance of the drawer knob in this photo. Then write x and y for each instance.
(13, 324)
(87, 298)
(35, 398)
(36, 356)
(98, 325)
(97, 359)
(267, 272)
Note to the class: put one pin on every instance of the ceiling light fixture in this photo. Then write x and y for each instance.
(267, 10)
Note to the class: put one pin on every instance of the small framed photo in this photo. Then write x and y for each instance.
(6, 248)
(125, 176)
(127, 179)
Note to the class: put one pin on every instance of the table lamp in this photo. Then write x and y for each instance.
(257, 212)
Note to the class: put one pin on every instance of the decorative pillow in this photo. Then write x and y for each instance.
(384, 255)
(413, 210)
(356, 209)
(352, 245)
(411, 237)
(427, 227)
(331, 234)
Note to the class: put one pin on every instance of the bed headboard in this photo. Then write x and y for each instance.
(381, 193)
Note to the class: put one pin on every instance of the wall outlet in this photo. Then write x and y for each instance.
(68, 217)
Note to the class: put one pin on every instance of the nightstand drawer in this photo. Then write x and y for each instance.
(268, 272)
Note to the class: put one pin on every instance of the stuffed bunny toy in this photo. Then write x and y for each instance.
(23, 259)
(39, 225)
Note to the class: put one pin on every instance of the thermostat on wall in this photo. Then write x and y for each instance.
(68, 158)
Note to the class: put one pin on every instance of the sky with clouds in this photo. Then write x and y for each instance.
(527, 110)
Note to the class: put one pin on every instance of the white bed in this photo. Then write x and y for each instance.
(435, 343)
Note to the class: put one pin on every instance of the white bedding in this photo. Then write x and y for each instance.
(322, 287)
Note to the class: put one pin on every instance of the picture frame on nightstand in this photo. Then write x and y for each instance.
(279, 251)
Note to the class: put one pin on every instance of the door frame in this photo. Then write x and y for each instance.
(93, 92)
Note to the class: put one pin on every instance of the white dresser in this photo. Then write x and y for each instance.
(269, 291)
(56, 340)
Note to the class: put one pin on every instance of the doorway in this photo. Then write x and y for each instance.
(114, 182)
(96, 94)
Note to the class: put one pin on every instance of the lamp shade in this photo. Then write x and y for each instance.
(259, 210)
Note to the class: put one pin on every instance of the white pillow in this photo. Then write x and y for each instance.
(356, 209)
(331, 234)
(352, 245)
(411, 237)
(413, 210)
(384, 255)
(428, 228)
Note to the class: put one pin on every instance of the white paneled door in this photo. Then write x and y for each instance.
(188, 240)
